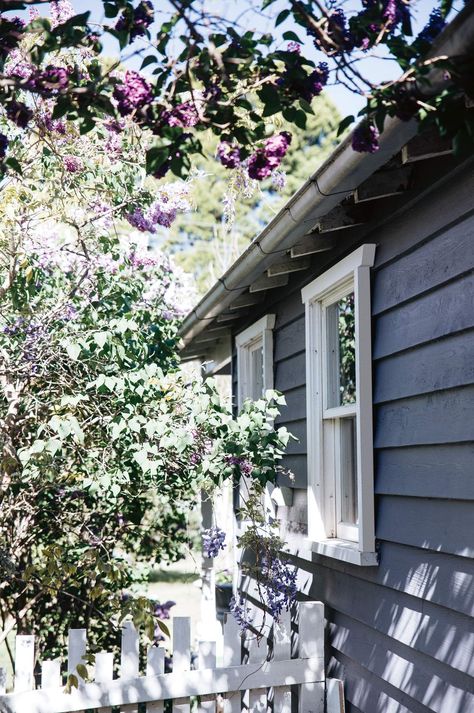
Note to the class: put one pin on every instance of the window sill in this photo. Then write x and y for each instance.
(342, 550)
(345, 551)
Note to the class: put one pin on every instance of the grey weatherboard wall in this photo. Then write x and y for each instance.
(401, 634)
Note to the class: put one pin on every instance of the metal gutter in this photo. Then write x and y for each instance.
(336, 179)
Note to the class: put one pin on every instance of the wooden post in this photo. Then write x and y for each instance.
(24, 663)
(335, 696)
(311, 644)
(181, 652)
(129, 659)
(154, 667)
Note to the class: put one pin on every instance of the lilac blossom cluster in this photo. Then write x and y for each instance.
(133, 93)
(138, 21)
(19, 113)
(244, 464)
(365, 138)
(61, 11)
(228, 154)
(184, 115)
(213, 541)
(171, 200)
(304, 86)
(72, 164)
(241, 612)
(279, 585)
(261, 164)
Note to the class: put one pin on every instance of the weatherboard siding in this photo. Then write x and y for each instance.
(401, 635)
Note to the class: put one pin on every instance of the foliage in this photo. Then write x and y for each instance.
(232, 211)
(204, 68)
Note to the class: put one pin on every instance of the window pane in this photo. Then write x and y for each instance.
(348, 466)
(256, 371)
(340, 334)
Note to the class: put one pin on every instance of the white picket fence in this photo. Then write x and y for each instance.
(227, 685)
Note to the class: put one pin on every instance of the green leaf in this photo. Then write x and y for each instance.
(345, 123)
(163, 627)
(281, 17)
(14, 164)
(82, 671)
(291, 36)
(151, 59)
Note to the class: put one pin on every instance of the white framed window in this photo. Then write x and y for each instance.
(339, 410)
(255, 359)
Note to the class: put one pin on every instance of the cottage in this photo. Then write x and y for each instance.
(357, 302)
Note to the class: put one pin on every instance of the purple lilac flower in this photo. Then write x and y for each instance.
(338, 32)
(56, 125)
(244, 464)
(433, 27)
(3, 145)
(72, 164)
(294, 47)
(52, 79)
(134, 93)
(365, 138)
(228, 154)
(61, 11)
(139, 221)
(265, 160)
(163, 213)
(318, 78)
(213, 541)
(138, 22)
(19, 114)
(241, 612)
(141, 261)
(183, 115)
(33, 14)
(18, 66)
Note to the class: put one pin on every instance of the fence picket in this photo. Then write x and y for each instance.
(51, 674)
(232, 656)
(104, 671)
(24, 663)
(207, 659)
(311, 644)
(258, 702)
(154, 667)
(181, 653)
(76, 650)
(129, 660)
(282, 652)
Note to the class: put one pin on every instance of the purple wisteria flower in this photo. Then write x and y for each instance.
(241, 612)
(213, 541)
(3, 145)
(134, 93)
(365, 138)
(279, 585)
(228, 154)
(72, 164)
(19, 113)
(279, 179)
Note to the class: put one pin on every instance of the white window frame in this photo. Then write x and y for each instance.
(258, 335)
(358, 545)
